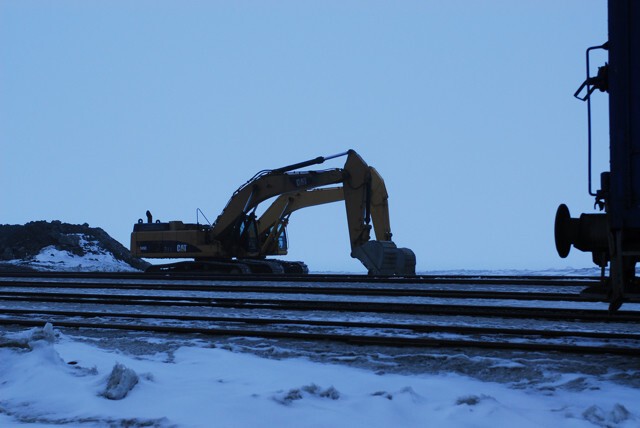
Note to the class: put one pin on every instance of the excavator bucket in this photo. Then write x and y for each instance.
(384, 258)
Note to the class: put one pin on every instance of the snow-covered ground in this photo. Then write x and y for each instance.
(49, 379)
(95, 258)
(568, 271)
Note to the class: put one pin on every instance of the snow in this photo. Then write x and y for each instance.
(566, 271)
(96, 258)
(51, 379)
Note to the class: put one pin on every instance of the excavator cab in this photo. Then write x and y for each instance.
(248, 235)
(251, 241)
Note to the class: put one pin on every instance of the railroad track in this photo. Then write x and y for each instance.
(274, 319)
(550, 280)
(281, 304)
(279, 289)
(453, 329)
(499, 340)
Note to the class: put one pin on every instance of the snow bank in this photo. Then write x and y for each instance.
(42, 245)
(61, 383)
(94, 258)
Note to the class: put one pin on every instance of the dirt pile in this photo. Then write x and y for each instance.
(22, 247)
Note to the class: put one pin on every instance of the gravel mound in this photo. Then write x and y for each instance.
(22, 245)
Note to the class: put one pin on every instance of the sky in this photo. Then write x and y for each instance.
(466, 108)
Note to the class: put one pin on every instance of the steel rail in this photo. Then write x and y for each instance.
(422, 328)
(281, 289)
(332, 306)
(351, 339)
(183, 283)
(350, 278)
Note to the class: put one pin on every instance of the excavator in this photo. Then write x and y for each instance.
(239, 241)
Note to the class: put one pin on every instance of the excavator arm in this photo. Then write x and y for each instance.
(365, 196)
(273, 221)
(270, 183)
(285, 204)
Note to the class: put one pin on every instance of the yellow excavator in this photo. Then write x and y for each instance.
(239, 242)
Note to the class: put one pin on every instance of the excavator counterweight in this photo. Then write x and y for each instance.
(239, 242)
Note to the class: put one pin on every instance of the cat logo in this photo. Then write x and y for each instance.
(181, 248)
(301, 181)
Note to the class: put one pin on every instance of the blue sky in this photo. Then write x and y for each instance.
(108, 109)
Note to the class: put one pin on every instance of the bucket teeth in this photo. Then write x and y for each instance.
(384, 258)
